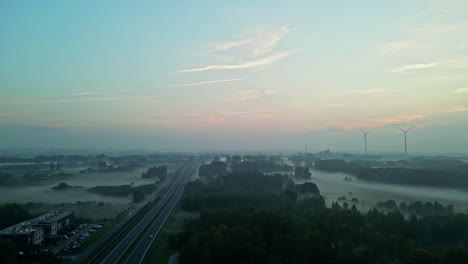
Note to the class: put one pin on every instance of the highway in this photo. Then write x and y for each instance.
(113, 246)
(139, 253)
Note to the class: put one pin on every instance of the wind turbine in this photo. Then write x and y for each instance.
(404, 132)
(365, 138)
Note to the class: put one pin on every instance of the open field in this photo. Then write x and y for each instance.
(333, 185)
(24, 190)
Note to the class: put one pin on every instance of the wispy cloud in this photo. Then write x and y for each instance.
(267, 43)
(380, 122)
(458, 109)
(90, 93)
(336, 105)
(23, 101)
(166, 86)
(370, 91)
(223, 46)
(245, 112)
(461, 90)
(411, 118)
(202, 83)
(245, 95)
(412, 67)
(393, 47)
(246, 65)
(258, 41)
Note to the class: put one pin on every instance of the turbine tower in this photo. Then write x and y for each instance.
(365, 138)
(404, 132)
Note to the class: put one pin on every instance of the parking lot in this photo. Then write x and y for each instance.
(75, 238)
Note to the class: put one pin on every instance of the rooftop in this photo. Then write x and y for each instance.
(26, 227)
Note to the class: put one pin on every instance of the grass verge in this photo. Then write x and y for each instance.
(160, 251)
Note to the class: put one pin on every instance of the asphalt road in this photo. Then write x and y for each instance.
(139, 253)
(96, 248)
(166, 202)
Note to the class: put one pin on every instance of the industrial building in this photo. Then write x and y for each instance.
(34, 231)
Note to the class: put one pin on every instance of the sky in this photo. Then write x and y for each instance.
(234, 75)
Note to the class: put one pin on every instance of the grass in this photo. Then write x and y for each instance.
(160, 251)
(122, 190)
(87, 210)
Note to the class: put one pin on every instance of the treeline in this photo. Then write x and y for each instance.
(213, 169)
(247, 188)
(438, 163)
(138, 192)
(306, 160)
(262, 163)
(156, 172)
(275, 226)
(439, 178)
(244, 189)
(336, 165)
(416, 177)
(156, 158)
(416, 208)
(307, 188)
(11, 214)
(5, 177)
(302, 173)
(44, 158)
(315, 234)
(63, 186)
(263, 166)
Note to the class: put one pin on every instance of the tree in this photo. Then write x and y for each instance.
(11, 214)
(307, 188)
(7, 252)
(302, 173)
(214, 169)
(137, 197)
(156, 172)
(455, 255)
(422, 256)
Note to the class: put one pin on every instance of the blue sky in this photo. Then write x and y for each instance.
(190, 75)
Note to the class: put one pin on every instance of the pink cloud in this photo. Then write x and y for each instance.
(458, 109)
